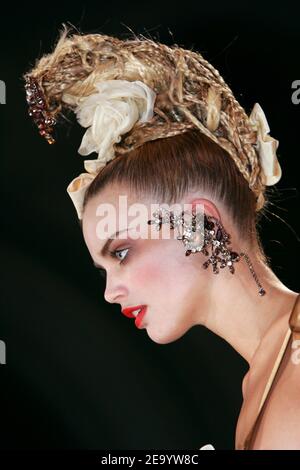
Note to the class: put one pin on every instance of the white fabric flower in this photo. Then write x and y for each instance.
(266, 146)
(108, 114)
(111, 112)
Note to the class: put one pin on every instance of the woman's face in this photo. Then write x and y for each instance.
(147, 269)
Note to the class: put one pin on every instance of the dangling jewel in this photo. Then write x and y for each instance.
(201, 232)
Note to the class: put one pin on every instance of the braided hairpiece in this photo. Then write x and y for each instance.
(169, 90)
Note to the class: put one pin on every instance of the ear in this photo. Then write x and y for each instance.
(209, 207)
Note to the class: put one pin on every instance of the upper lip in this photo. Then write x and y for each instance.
(128, 310)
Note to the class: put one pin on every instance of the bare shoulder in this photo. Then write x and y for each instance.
(278, 427)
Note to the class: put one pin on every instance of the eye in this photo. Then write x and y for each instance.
(115, 254)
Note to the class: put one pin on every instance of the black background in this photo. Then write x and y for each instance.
(79, 375)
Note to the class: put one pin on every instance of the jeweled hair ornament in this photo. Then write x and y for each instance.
(128, 92)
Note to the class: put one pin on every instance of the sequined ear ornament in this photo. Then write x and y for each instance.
(200, 233)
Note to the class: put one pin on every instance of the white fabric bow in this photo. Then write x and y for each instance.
(266, 146)
(207, 447)
(108, 114)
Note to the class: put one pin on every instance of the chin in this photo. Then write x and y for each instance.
(161, 336)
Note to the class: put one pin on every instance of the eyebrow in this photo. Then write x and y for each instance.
(104, 249)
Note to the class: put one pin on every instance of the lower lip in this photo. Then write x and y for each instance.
(139, 318)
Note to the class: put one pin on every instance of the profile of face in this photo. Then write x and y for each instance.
(146, 268)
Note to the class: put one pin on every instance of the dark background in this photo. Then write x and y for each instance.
(79, 375)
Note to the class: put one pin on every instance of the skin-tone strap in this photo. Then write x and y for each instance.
(294, 332)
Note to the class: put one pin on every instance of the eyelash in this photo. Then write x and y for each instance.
(113, 255)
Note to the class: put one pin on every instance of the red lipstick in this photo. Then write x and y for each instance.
(139, 318)
(128, 310)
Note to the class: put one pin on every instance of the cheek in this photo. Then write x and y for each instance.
(146, 273)
(164, 271)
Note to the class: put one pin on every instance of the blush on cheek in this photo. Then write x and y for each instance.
(156, 278)
(158, 266)
(146, 274)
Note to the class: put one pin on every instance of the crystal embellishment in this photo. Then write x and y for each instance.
(201, 232)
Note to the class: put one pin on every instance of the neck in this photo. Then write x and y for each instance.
(240, 315)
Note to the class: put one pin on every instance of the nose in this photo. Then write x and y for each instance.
(114, 291)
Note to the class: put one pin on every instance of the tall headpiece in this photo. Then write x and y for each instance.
(128, 92)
